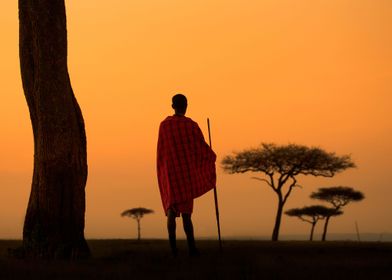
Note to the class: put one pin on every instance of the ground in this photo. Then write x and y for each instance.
(151, 259)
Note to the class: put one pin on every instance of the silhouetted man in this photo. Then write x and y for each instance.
(185, 167)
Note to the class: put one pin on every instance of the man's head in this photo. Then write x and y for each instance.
(179, 104)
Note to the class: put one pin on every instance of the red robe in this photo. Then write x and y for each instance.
(185, 162)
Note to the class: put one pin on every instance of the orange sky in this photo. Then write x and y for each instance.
(308, 72)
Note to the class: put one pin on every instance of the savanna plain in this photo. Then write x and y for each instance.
(239, 259)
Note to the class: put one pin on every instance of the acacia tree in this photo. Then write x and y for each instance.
(54, 222)
(312, 214)
(339, 197)
(137, 214)
(282, 164)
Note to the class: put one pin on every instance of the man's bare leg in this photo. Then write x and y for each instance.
(171, 228)
(188, 228)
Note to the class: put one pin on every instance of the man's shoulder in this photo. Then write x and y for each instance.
(166, 119)
(172, 120)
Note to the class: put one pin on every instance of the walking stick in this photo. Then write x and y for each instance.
(215, 194)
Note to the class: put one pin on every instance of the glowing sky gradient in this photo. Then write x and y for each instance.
(309, 72)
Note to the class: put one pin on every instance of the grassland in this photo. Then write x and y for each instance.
(151, 259)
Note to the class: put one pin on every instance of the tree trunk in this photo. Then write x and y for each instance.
(138, 229)
(312, 231)
(275, 232)
(325, 228)
(54, 222)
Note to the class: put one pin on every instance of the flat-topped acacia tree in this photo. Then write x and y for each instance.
(54, 222)
(339, 197)
(137, 214)
(312, 214)
(281, 166)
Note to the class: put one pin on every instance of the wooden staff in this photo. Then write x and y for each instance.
(215, 194)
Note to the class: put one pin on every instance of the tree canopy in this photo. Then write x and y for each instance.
(338, 196)
(316, 212)
(136, 213)
(290, 160)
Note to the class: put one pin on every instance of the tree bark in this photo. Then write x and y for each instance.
(324, 237)
(54, 222)
(138, 229)
(312, 231)
(275, 232)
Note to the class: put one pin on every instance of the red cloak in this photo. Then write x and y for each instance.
(185, 162)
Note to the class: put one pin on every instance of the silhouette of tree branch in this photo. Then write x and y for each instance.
(263, 180)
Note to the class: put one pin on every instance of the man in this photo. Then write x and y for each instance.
(185, 167)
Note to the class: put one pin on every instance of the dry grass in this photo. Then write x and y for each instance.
(151, 259)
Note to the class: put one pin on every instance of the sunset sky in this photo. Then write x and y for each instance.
(312, 72)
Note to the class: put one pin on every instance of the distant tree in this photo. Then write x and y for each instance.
(312, 214)
(338, 197)
(282, 164)
(137, 214)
